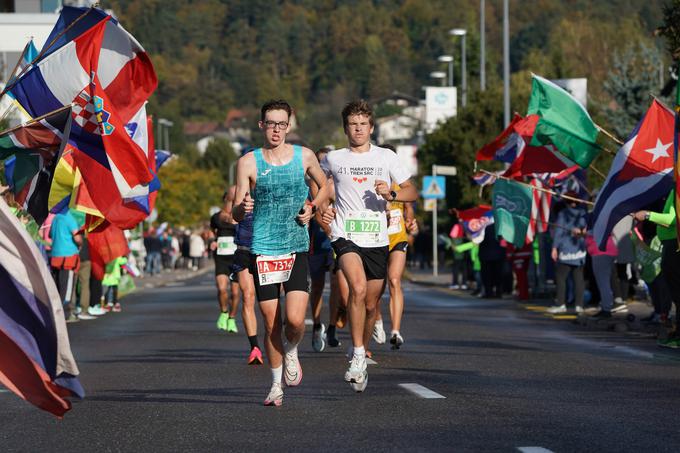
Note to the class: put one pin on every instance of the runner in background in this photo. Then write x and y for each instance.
(275, 175)
(240, 272)
(363, 174)
(224, 248)
(400, 222)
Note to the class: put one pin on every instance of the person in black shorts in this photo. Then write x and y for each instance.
(224, 248)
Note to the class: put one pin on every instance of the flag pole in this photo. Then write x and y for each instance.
(604, 131)
(35, 120)
(566, 197)
(40, 54)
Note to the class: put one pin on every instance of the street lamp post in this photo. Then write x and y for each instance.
(463, 76)
(439, 75)
(448, 59)
(506, 63)
(482, 47)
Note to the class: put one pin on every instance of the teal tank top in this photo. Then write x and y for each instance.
(280, 192)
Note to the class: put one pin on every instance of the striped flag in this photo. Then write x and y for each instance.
(36, 362)
(33, 151)
(540, 209)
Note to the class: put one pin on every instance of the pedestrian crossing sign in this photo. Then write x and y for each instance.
(434, 187)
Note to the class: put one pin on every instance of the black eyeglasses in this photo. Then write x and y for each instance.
(273, 124)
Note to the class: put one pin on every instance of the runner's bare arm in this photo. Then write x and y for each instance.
(408, 191)
(318, 177)
(243, 203)
(410, 219)
(229, 205)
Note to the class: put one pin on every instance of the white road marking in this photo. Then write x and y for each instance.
(309, 322)
(173, 284)
(534, 450)
(421, 391)
(371, 361)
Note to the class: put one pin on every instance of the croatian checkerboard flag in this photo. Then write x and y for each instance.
(96, 65)
(640, 174)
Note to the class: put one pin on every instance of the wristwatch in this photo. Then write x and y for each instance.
(393, 194)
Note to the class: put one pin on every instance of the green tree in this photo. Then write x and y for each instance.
(219, 155)
(187, 193)
(633, 78)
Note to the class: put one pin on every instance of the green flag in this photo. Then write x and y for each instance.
(511, 210)
(563, 122)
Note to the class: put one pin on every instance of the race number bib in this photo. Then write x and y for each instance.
(274, 269)
(394, 226)
(226, 245)
(363, 228)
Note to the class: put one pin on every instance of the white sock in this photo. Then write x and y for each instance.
(359, 351)
(290, 348)
(276, 374)
(395, 332)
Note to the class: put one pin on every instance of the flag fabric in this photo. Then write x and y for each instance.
(640, 173)
(676, 160)
(563, 122)
(36, 361)
(512, 147)
(512, 210)
(162, 157)
(106, 74)
(107, 242)
(475, 220)
(29, 54)
(35, 147)
(505, 147)
(540, 209)
(485, 179)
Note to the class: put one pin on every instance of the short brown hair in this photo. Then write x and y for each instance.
(359, 107)
(276, 104)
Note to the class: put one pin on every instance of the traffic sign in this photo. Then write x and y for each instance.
(434, 187)
(448, 170)
(430, 204)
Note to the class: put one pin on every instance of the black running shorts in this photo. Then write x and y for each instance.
(320, 263)
(373, 258)
(299, 279)
(223, 264)
(399, 247)
(241, 261)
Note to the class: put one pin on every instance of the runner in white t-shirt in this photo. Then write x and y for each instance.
(363, 175)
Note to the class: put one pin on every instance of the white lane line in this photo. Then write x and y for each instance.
(309, 322)
(421, 391)
(371, 361)
(534, 450)
(173, 284)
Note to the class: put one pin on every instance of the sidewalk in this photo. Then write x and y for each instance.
(626, 322)
(166, 277)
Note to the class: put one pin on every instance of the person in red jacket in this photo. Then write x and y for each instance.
(520, 258)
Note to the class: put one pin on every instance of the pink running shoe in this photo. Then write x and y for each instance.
(255, 357)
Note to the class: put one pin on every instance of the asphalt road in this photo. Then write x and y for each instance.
(160, 377)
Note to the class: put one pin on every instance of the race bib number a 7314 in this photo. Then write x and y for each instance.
(274, 269)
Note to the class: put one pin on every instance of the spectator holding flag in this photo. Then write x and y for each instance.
(569, 253)
(670, 258)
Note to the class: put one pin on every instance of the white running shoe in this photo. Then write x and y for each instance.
(379, 332)
(275, 397)
(621, 308)
(397, 340)
(356, 373)
(85, 317)
(557, 309)
(292, 370)
(96, 311)
(360, 387)
(319, 339)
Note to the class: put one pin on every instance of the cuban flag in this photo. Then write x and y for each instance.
(640, 174)
(36, 361)
(103, 71)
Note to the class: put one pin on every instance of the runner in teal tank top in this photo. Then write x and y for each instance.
(280, 192)
(275, 176)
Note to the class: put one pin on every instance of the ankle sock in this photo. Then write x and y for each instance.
(331, 331)
(359, 351)
(276, 374)
(317, 326)
(252, 339)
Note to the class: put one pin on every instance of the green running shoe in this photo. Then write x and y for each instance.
(223, 321)
(231, 325)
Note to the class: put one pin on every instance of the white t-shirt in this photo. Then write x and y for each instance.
(360, 211)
